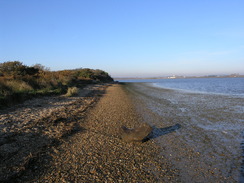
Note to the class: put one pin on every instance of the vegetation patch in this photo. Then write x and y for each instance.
(19, 82)
(72, 91)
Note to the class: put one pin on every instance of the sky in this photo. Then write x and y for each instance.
(126, 38)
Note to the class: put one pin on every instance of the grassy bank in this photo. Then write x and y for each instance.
(19, 82)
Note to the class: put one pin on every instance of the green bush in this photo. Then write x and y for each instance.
(97, 75)
(85, 73)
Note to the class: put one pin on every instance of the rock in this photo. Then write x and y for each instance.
(135, 134)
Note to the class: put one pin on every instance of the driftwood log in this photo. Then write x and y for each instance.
(137, 134)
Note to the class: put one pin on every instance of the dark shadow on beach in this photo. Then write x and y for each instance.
(26, 156)
(22, 152)
(157, 132)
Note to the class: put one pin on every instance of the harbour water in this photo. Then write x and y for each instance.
(229, 86)
(208, 146)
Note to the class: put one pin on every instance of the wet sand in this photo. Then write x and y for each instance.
(208, 145)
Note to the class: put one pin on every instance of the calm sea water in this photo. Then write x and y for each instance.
(229, 86)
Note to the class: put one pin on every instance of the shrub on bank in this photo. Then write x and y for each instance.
(16, 68)
(97, 75)
(19, 81)
(4, 90)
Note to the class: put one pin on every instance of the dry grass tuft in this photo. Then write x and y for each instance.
(72, 91)
(18, 86)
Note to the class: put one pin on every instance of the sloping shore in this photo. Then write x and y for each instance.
(89, 149)
(208, 145)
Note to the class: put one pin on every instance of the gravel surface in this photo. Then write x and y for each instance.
(59, 139)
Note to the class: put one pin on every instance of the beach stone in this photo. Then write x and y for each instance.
(135, 134)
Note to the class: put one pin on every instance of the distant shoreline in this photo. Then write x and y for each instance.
(180, 77)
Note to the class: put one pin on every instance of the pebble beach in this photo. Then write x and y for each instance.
(78, 140)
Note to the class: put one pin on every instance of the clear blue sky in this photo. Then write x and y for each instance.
(126, 37)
